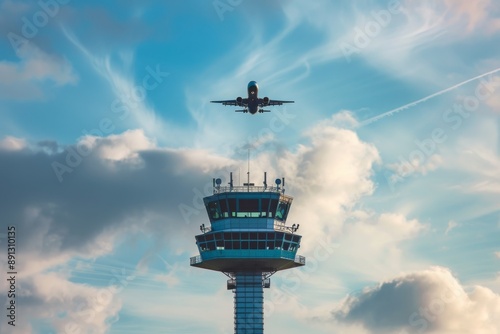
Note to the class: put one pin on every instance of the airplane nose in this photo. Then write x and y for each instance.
(252, 84)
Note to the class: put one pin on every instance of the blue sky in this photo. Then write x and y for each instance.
(391, 152)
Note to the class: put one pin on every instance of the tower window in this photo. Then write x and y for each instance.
(249, 208)
(282, 211)
(214, 210)
(224, 208)
(232, 206)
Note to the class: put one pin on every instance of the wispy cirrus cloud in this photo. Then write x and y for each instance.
(451, 226)
(131, 101)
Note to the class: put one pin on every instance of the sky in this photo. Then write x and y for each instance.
(108, 143)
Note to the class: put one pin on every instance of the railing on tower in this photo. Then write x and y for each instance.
(226, 189)
(248, 187)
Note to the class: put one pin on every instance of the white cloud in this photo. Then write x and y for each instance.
(24, 79)
(329, 176)
(410, 35)
(497, 254)
(88, 309)
(406, 168)
(371, 245)
(479, 14)
(451, 225)
(66, 306)
(475, 156)
(107, 195)
(494, 103)
(493, 85)
(10, 143)
(430, 301)
(124, 146)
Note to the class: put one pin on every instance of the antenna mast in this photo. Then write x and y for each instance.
(248, 169)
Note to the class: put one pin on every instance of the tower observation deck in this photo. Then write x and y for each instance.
(248, 240)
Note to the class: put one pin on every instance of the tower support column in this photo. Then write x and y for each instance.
(248, 303)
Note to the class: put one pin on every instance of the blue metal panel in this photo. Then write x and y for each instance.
(243, 223)
(249, 303)
(248, 254)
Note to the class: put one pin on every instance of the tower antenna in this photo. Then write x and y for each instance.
(248, 169)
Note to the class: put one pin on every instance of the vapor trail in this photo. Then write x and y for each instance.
(414, 103)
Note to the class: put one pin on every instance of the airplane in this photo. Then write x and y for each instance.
(253, 103)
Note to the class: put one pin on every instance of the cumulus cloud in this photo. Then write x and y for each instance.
(111, 186)
(330, 174)
(428, 301)
(371, 245)
(104, 182)
(124, 146)
(73, 307)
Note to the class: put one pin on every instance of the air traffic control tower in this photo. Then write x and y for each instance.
(248, 240)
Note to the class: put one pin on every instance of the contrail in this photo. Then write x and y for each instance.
(414, 103)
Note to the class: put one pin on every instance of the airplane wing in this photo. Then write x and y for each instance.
(232, 102)
(264, 102)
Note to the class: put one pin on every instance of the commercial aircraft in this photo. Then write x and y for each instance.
(252, 103)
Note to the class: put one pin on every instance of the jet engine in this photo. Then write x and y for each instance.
(266, 101)
(239, 100)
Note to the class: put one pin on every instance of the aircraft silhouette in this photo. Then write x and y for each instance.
(252, 103)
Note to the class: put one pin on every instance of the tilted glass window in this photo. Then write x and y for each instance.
(268, 207)
(213, 210)
(282, 210)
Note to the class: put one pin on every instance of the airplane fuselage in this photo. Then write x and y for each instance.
(253, 100)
